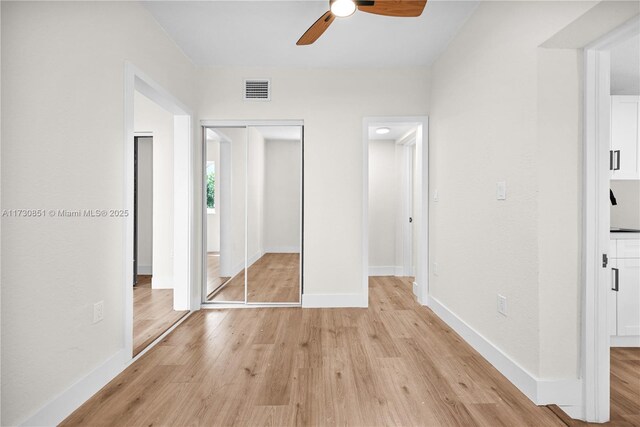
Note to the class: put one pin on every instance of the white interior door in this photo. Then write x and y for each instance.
(407, 218)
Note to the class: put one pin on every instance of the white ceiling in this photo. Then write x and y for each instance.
(264, 33)
(625, 67)
(396, 131)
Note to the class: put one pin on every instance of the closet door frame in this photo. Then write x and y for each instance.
(205, 124)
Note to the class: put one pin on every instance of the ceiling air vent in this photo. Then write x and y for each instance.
(257, 90)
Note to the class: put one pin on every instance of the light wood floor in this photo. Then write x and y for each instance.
(393, 363)
(275, 277)
(625, 390)
(625, 386)
(153, 313)
(232, 291)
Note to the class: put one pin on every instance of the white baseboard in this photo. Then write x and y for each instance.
(334, 300)
(386, 270)
(161, 282)
(625, 341)
(399, 271)
(574, 411)
(282, 250)
(145, 270)
(56, 410)
(415, 289)
(565, 392)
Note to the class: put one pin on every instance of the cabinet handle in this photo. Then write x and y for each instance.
(617, 154)
(611, 160)
(616, 278)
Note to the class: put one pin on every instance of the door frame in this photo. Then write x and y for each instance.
(596, 225)
(407, 143)
(185, 293)
(421, 220)
(205, 124)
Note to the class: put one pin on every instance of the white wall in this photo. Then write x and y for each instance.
(505, 109)
(255, 195)
(150, 117)
(625, 67)
(232, 201)
(333, 141)
(62, 77)
(626, 214)
(145, 205)
(282, 196)
(213, 218)
(383, 202)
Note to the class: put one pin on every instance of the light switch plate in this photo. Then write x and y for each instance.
(501, 190)
(98, 311)
(502, 305)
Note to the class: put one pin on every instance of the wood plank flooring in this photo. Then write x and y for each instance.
(232, 291)
(275, 277)
(153, 313)
(393, 363)
(625, 390)
(625, 386)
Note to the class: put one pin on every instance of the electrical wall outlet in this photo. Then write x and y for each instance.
(98, 311)
(436, 196)
(434, 268)
(502, 305)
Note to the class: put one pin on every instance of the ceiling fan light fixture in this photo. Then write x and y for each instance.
(343, 8)
(383, 131)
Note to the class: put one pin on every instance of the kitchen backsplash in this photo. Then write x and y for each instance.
(626, 214)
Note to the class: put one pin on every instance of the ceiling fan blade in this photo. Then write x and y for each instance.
(402, 8)
(317, 29)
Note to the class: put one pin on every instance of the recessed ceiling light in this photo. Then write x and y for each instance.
(343, 8)
(383, 131)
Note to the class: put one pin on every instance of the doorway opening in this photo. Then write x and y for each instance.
(252, 189)
(611, 310)
(395, 233)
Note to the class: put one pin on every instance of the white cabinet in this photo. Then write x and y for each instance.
(625, 136)
(628, 298)
(627, 248)
(612, 300)
(612, 296)
(624, 296)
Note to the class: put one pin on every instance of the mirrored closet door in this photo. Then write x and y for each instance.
(256, 187)
(224, 213)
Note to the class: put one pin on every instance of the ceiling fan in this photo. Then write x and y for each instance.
(345, 8)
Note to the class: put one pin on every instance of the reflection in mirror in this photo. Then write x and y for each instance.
(274, 166)
(224, 194)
